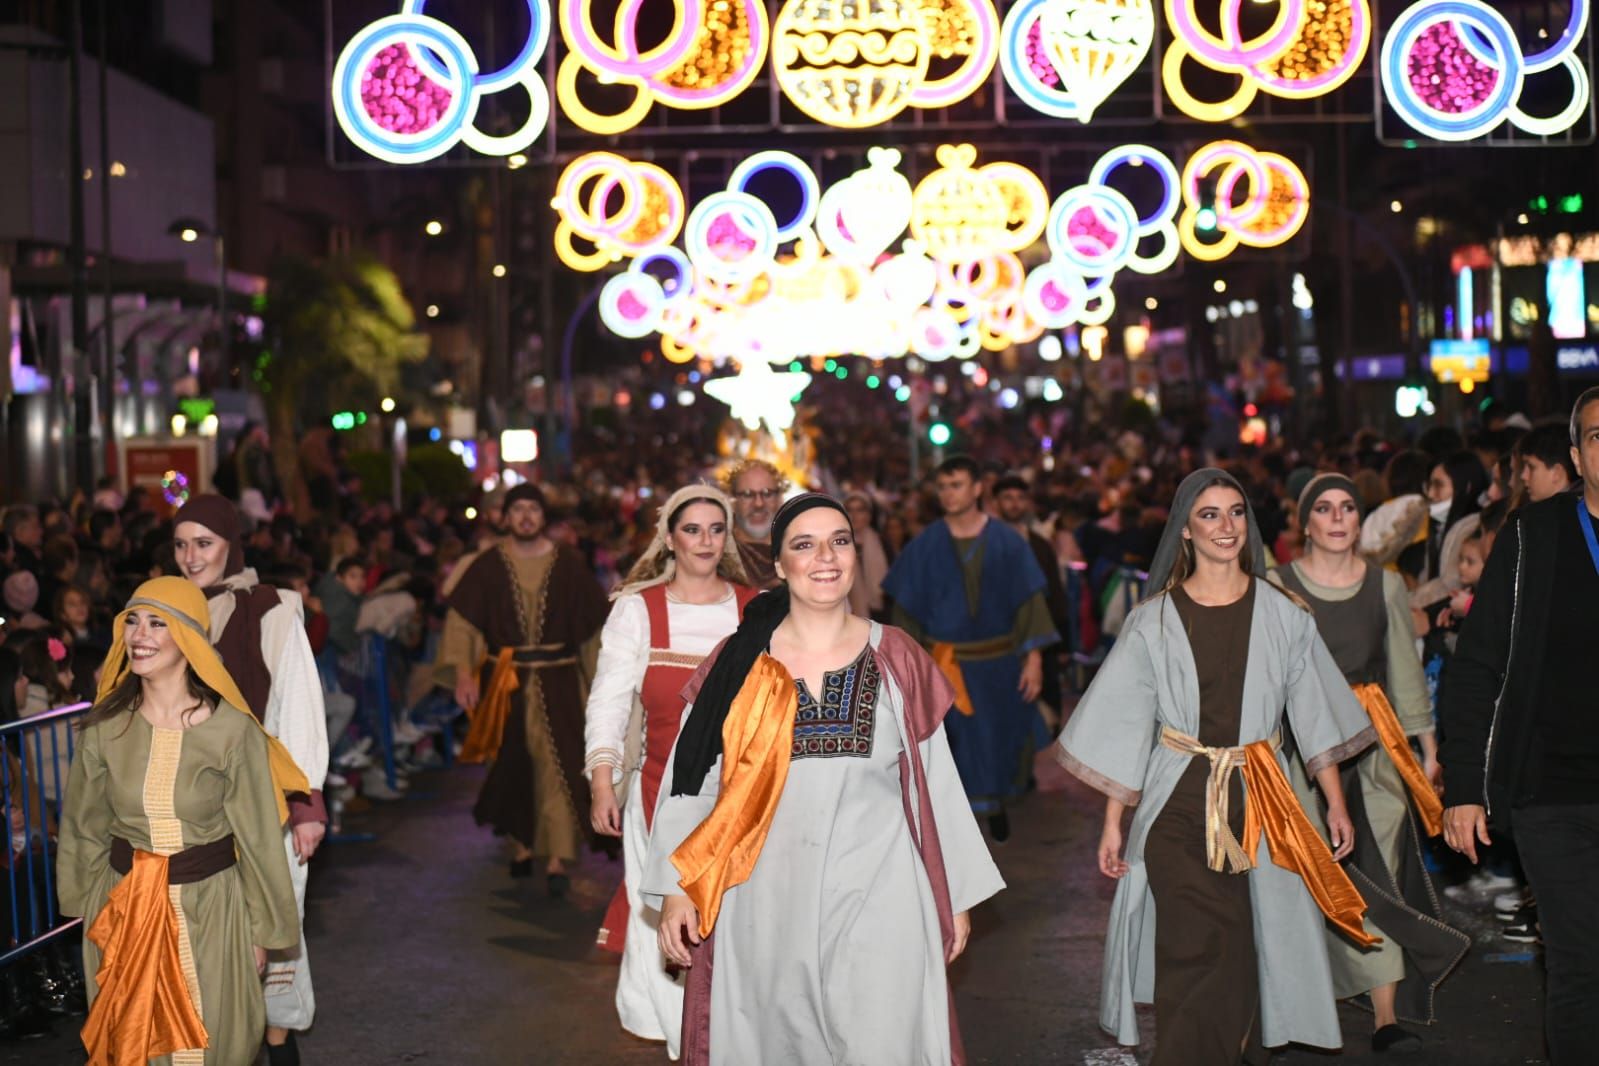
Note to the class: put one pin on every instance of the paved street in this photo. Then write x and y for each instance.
(425, 952)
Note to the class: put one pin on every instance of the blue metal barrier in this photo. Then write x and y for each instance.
(35, 755)
(376, 687)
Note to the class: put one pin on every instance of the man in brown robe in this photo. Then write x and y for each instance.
(521, 634)
(757, 489)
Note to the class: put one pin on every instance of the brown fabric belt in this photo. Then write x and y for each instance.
(184, 867)
(541, 655)
(992, 648)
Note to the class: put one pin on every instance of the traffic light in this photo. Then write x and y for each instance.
(344, 420)
(1570, 205)
(1205, 219)
(938, 434)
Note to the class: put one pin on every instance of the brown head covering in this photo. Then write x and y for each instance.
(239, 643)
(217, 514)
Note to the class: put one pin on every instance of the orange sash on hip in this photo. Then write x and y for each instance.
(944, 658)
(487, 727)
(143, 1009)
(757, 740)
(1428, 806)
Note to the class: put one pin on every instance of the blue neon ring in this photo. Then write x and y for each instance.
(538, 35)
(803, 176)
(448, 128)
(1413, 110)
(681, 283)
(1018, 74)
(1119, 157)
(1092, 196)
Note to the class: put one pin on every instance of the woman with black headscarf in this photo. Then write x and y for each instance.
(1190, 700)
(812, 835)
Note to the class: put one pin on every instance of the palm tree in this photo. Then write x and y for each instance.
(339, 331)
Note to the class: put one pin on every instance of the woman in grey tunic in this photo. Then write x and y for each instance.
(1363, 614)
(1152, 712)
(830, 915)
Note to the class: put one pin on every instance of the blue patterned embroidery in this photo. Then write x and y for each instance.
(841, 724)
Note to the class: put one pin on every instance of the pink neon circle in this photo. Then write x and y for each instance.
(398, 94)
(624, 60)
(1358, 13)
(1445, 75)
(1254, 205)
(1228, 52)
(610, 174)
(755, 57)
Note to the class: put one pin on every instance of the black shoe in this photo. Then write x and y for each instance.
(999, 827)
(1524, 928)
(1395, 1038)
(284, 1054)
(521, 868)
(558, 884)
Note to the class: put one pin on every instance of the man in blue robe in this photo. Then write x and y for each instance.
(969, 588)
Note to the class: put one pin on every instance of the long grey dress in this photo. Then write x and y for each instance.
(831, 951)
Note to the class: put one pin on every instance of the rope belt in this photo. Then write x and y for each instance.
(1223, 852)
(1271, 809)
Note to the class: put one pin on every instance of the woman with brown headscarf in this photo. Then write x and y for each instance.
(260, 633)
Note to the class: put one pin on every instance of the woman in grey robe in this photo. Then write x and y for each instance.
(1238, 963)
(831, 946)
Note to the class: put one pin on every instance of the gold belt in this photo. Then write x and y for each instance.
(1223, 852)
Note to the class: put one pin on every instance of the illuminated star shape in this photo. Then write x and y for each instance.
(759, 395)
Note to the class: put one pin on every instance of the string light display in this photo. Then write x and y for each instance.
(406, 88)
(1261, 199)
(618, 206)
(1311, 48)
(766, 281)
(1455, 70)
(760, 396)
(1066, 57)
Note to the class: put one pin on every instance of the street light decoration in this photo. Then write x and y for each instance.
(1311, 48)
(1259, 199)
(406, 87)
(1064, 58)
(760, 396)
(1455, 70)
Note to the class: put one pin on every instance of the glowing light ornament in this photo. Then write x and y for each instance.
(862, 215)
(760, 396)
(1311, 48)
(1066, 57)
(962, 30)
(850, 63)
(712, 52)
(647, 211)
(957, 212)
(1261, 199)
(1454, 70)
(406, 88)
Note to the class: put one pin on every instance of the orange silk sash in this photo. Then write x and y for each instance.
(1270, 807)
(944, 658)
(487, 727)
(757, 740)
(1428, 806)
(143, 1009)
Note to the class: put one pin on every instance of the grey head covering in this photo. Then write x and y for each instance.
(1171, 541)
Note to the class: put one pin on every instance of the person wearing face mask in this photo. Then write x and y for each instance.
(682, 597)
(520, 639)
(1454, 488)
(756, 488)
(260, 633)
(812, 856)
(171, 845)
(1190, 699)
(1363, 614)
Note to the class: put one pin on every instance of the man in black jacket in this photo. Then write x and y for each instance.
(1520, 716)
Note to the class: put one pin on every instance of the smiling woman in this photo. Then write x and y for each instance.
(171, 844)
(830, 915)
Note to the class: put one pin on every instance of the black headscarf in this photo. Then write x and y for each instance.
(1323, 483)
(699, 745)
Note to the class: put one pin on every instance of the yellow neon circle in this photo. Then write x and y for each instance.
(718, 48)
(676, 353)
(1208, 253)
(566, 253)
(1026, 202)
(593, 121)
(1204, 35)
(1171, 74)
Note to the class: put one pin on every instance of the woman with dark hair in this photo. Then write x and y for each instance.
(866, 594)
(260, 633)
(813, 854)
(1191, 697)
(683, 596)
(171, 845)
(1454, 490)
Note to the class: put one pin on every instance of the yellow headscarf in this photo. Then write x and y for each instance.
(183, 607)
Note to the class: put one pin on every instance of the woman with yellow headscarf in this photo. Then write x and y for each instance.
(171, 845)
